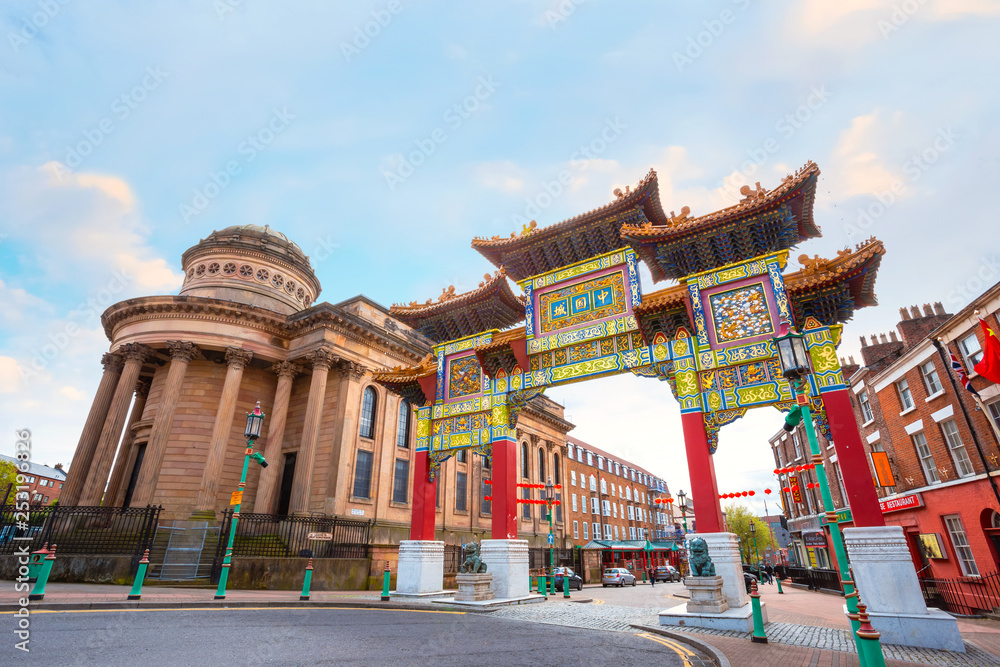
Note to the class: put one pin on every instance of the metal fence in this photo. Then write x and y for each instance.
(815, 578)
(79, 531)
(278, 536)
(538, 558)
(967, 596)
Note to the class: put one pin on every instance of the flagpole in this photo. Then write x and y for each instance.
(968, 421)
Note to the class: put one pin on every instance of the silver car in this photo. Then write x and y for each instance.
(617, 576)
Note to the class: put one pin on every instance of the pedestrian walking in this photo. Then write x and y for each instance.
(770, 573)
(652, 576)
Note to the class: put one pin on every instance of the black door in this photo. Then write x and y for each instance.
(287, 474)
(134, 477)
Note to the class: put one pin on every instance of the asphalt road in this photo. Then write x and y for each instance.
(321, 637)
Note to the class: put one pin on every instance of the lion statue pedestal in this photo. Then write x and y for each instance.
(474, 584)
(706, 595)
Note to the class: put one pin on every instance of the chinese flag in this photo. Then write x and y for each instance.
(989, 365)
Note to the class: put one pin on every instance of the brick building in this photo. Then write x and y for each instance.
(933, 452)
(44, 483)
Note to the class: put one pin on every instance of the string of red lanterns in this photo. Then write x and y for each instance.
(783, 471)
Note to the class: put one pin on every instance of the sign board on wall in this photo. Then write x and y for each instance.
(932, 546)
(813, 539)
(883, 471)
(793, 482)
(903, 503)
(357, 512)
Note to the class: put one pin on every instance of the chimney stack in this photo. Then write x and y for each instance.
(927, 310)
(939, 309)
(851, 359)
(892, 337)
(864, 343)
(883, 339)
(915, 312)
(903, 314)
(874, 339)
(58, 466)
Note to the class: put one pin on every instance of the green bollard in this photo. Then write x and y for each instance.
(307, 582)
(543, 586)
(38, 592)
(385, 583)
(565, 585)
(758, 618)
(140, 576)
(869, 636)
(778, 579)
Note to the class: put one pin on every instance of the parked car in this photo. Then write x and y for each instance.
(667, 573)
(748, 579)
(617, 576)
(575, 581)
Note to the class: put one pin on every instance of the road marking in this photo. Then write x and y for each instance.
(676, 648)
(106, 611)
(596, 601)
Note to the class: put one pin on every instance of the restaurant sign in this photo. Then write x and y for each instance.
(902, 503)
(814, 539)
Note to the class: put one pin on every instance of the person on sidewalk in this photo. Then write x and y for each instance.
(770, 573)
(652, 576)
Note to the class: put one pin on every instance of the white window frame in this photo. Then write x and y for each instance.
(930, 469)
(572, 477)
(628, 493)
(604, 486)
(960, 543)
(614, 510)
(606, 506)
(600, 463)
(597, 531)
(866, 407)
(959, 454)
(631, 532)
(576, 529)
(593, 483)
(612, 489)
(932, 381)
(590, 459)
(595, 507)
(574, 502)
(797, 445)
(615, 527)
(631, 513)
(586, 531)
(904, 394)
(971, 355)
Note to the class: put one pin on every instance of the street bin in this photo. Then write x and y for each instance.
(35, 563)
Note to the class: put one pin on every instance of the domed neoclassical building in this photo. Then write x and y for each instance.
(245, 327)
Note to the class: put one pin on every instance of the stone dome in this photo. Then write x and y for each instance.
(250, 264)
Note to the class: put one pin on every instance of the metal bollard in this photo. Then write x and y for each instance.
(36, 562)
(543, 585)
(38, 592)
(565, 585)
(758, 618)
(385, 583)
(778, 579)
(140, 576)
(870, 645)
(307, 582)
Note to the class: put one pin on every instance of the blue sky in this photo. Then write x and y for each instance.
(128, 131)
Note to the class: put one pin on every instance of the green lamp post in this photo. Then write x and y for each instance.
(255, 420)
(682, 503)
(795, 367)
(550, 496)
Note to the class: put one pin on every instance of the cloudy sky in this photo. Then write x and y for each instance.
(383, 136)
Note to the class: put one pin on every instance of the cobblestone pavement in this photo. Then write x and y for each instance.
(622, 619)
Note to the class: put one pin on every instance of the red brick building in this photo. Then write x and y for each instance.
(934, 454)
(44, 483)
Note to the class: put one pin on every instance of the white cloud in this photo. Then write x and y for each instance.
(10, 375)
(502, 175)
(856, 166)
(456, 52)
(79, 222)
(72, 393)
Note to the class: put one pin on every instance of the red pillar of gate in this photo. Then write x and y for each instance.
(504, 505)
(852, 458)
(424, 499)
(701, 471)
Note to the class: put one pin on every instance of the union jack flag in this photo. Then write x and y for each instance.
(959, 369)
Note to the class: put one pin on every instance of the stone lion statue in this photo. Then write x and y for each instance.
(701, 563)
(472, 563)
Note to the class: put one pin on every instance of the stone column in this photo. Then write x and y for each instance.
(701, 471)
(507, 561)
(236, 359)
(125, 452)
(321, 361)
(135, 354)
(267, 486)
(421, 568)
(84, 454)
(345, 430)
(181, 354)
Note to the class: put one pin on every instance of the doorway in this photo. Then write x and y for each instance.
(140, 452)
(287, 475)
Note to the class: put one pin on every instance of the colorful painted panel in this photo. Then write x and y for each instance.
(576, 304)
(464, 377)
(740, 313)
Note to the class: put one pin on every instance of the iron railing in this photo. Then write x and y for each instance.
(538, 558)
(967, 596)
(79, 531)
(278, 536)
(815, 578)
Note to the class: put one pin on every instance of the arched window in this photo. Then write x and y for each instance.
(604, 485)
(628, 493)
(368, 413)
(541, 465)
(403, 428)
(555, 469)
(524, 460)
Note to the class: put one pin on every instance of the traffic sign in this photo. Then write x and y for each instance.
(551, 539)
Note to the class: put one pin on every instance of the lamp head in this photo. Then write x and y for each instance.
(259, 458)
(255, 420)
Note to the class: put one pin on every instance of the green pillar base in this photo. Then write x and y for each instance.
(304, 598)
(134, 597)
(220, 597)
(759, 640)
(36, 597)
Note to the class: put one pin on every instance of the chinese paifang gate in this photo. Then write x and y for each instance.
(583, 315)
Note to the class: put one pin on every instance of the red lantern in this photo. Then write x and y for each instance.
(670, 500)
(777, 471)
(744, 494)
(767, 491)
(487, 481)
(753, 493)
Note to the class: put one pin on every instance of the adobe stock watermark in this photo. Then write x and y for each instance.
(913, 169)
(31, 26)
(982, 278)
(85, 313)
(703, 40)
(22, 538)
(122, 108)
(560, 13)
(370, 29)
(454, 117)
(900, 14)
(785, 128)
(579, 161)
(248, 149)
(224, 8)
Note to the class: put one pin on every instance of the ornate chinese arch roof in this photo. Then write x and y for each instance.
(539, 250)
(762, 222)
(491, 306)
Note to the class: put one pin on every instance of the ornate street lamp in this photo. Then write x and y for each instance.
(255, 420)
(549, 495)
(794, 358)
(682, 497)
